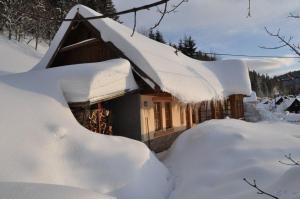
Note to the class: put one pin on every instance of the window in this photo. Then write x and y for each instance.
(168, 113)
(157, 116)
(181, 115)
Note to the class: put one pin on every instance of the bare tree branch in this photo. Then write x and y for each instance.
(175, 6)
(132, 10)
(166, 11)
(134, 26)
(259, 190)
(249, 9)
(162, 16)
(292, 161)
(283, 42)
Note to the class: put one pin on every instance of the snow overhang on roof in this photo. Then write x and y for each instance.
(187, 79)
(95, 81)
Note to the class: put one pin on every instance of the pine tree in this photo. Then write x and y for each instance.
(159, 37)
(102, 6)
(188, 46)
(151, 35)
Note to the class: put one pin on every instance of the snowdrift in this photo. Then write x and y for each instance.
(41, 142)
(17, 190)
(17, 57)
(211, 160)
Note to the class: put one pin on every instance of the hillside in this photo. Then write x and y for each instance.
(266, 86)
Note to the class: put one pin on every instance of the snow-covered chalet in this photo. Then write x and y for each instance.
(146, 90)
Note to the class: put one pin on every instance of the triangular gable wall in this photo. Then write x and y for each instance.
(82, 43)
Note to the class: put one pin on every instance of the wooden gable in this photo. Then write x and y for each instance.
(82, 43)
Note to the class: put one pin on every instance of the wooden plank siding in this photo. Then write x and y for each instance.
(237, 106)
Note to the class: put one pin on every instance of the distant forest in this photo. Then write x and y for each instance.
(266, 86)
(30, 19)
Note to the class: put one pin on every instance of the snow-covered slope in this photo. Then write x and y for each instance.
(16, 57)
(187, 79)
(211, 160)
(41, 142)
(17, 190)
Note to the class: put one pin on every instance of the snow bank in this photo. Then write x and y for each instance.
(211, 160)
(41, 142)
(17, 57)
(292, 117)
(17, 190)
(173, 72)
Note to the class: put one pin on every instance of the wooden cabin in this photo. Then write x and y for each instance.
(147, 114)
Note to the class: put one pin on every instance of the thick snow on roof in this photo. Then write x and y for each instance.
(41, 142)
(95, 81)
(251, 98)
(187, 79)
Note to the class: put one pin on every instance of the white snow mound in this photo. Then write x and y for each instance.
(17, 57)
(211, 160)
(41, 141)
(18, 190)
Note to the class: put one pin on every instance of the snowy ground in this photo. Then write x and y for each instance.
(18, 190)
(41, 143)
(211, 160)
(17, 57)
(272, 112)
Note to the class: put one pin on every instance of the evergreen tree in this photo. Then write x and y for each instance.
(102, 6)
(151, 35)
(188, 46)
(159, 37)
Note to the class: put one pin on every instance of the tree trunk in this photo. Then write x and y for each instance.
(9, 34)
(36, 42)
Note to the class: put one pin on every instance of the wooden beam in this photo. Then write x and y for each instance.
(78, 45)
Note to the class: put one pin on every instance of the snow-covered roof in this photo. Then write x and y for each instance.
(251, 98)
(96, 81)
(185, 78)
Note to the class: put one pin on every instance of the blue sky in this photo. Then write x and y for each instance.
(222, 26)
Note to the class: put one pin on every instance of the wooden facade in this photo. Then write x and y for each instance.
(148, 115)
